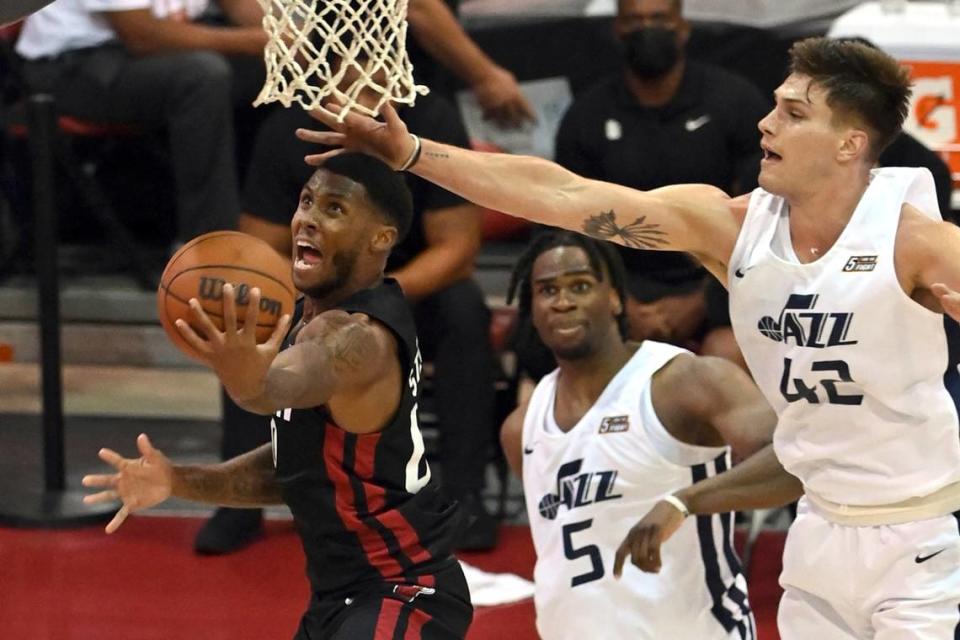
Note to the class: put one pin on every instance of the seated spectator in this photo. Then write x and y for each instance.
(664, 120)
(437, 37)
(153, 64)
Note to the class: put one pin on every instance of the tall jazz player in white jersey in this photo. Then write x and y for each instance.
(605, 436)
(844, 299)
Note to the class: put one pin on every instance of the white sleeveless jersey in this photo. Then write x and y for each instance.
(863, 378)
(587, 487)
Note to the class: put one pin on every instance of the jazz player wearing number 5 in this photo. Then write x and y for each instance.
(615, 428)
(844, 299)
(347, 455)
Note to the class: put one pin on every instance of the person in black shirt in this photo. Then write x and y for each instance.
(434, 267)
(346, 454)
(664, 120)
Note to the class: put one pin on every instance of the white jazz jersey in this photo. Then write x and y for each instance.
(584, 490)
(863, 378)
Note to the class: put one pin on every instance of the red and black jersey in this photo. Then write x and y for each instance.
(364, 505)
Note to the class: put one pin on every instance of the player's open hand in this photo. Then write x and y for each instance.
(233, 353)
(139, 483)
(388, 140)
(642, 544)
(949, 300)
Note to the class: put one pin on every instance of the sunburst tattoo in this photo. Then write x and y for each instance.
(639, 234)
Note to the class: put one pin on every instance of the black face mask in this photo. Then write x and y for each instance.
(651, 51)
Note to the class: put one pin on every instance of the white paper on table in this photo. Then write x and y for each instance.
(549, 97)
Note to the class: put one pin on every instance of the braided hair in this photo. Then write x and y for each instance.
(534, 356)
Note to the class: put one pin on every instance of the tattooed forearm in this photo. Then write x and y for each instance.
(244, 481)
(336, 350)
(440, 155)
(638, 234)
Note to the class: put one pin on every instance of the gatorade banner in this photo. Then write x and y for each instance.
(934, 108)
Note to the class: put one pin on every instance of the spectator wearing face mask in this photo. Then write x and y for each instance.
(663, 119)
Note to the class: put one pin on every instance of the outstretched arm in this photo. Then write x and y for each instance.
(144, 482)
(245, 481)
(700, 219)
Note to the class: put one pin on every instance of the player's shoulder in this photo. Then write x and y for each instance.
(677, 370)
(738, 206)
(919, 235)
(333, 322)
(691, 383)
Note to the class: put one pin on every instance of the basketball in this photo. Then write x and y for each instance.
(200, 269)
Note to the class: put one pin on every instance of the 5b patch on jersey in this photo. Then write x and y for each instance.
(859, 264)
(614, 424)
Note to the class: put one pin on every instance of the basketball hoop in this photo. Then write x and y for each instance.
(345, 49)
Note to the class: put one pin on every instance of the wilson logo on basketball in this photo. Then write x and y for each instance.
(212, 289)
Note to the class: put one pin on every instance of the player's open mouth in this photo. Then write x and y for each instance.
(769, 155)
(307, 255)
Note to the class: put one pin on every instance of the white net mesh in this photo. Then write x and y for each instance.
(353, 50)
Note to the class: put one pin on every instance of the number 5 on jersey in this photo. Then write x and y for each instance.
(590, 551)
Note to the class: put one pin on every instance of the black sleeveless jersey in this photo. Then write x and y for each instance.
(364, 505)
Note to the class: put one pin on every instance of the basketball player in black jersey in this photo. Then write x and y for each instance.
(346, 452)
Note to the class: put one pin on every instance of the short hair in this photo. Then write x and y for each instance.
(861, 82)
(603, 257)
(386, 188)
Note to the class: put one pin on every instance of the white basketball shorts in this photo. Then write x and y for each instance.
(894, 582)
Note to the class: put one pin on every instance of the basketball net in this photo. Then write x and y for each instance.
(339, 48)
